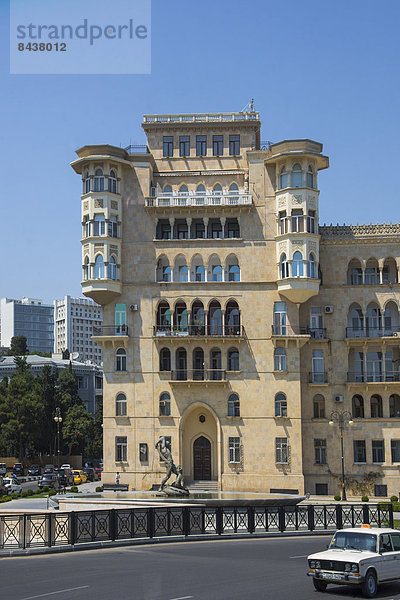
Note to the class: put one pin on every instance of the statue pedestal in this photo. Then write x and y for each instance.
(170, 490)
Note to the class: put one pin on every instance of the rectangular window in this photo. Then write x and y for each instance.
(359, 451)
(218, 145)
(168, 145)
(320, 452)
(234, 145)
(297, 220)
(234, 449)
(321, 489)
(143, 452)
(311, 221)
(184, 145)
(201, 145)
(378, 451)
(318, 375)
(121, 448)
(381, 490)
(283, 223)
(395, 450)
(120, 319)
(280, 326)
(319, 408)
(281, 450)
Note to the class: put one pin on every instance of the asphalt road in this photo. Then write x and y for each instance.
(222, 570)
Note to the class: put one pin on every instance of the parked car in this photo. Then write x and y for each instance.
(3, 470)
(66, 466)
(49, 479)
(12, 486)
(66, 477)
(48, 469)
(98, 471)
(91, 474)
(35, 471)
(79, 477)
(18, 469)
(363, 556)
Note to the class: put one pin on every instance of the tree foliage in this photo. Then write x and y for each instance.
(18, 346)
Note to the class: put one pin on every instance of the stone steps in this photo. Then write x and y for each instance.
(205, 486)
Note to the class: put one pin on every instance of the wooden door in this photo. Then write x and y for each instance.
(202, 459)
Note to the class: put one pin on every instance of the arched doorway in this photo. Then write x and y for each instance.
(202, 459)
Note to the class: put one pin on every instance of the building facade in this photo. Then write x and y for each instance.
(89, 376)
(28, 317)
(75, 321)
(233, 323)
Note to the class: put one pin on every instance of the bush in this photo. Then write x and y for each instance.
(45, 488)
(393, 498)
(37, 491)
(364, 499)
(74, 489)
(52, 492)
(24, 493)
(29, 492)
(14, 496)
(336, 497)
(99, 488)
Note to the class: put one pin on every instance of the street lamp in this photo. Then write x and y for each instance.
(341, 417)
(58, 420)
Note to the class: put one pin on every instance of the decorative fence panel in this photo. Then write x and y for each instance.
(66, 529)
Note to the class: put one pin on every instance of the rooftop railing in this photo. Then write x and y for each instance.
(203, 118)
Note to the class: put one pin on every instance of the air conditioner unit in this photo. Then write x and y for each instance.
(133, 307)
(338, 398)
(328, 309)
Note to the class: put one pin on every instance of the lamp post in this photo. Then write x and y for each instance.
(58, 420)
(341, 417)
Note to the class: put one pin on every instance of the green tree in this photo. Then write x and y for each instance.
(77, 425)
(47, 382)
(94, 447)
(67, 390)
(18, 346)
(66, 354)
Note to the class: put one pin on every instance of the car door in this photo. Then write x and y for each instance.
(388, 557)
(395, 537)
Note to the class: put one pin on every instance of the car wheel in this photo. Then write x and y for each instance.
(319, 585)
(370, 586)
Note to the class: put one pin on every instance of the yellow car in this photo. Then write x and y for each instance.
(79, 477)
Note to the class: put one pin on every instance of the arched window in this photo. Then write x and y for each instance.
(165, 405)
(200, 273)
(297, 265)
(99, 225)
(311, 271)
(98, 181)
(357, 405)
(355, 322)
(283, 179)
(376, 407)
(163, 271)
(232, 318)
(163, 322)
(217, 193)
(391, 318)
(112, 269)
(217, 273)
(198, 318)
(112, 182)
(373, 321)
(167, 191)
(183, 189)
(99, 267)
(234, 188)
(183, 273)
(200, 189)
(371, 273)
(165, 359)
(120, 360)
(215, 318)
(86, 269)
(280, 405)
(310, 177)
(180, 318)
(215, 362)
(198, 364)
(284, 267)
(280, 363)
(120, 405)
(87, 183)
(319, 407)
(394, 406)
(297, 176)
(354, 272)
(233, 359)
(234, 273)
(181, 364)
(233, 406)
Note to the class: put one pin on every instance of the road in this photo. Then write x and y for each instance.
(271, 568)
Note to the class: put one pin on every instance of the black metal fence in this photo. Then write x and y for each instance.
(66, 529)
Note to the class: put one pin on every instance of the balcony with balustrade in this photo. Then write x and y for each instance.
(198, 376)
(118, 335)
(195, 332)
(225, 199)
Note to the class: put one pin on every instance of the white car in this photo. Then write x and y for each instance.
(12, 486)
(364, 556)
(66, 466)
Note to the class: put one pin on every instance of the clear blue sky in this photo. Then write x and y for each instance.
(323, 70)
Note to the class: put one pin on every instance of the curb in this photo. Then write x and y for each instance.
(160, 540)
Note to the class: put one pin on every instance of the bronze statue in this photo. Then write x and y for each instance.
(164, 450)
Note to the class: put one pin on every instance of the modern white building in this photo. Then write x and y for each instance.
(75, 320)
(29, 317)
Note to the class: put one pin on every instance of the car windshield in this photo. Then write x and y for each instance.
(350, 540)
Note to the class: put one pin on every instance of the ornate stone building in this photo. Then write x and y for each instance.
(233, 322)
